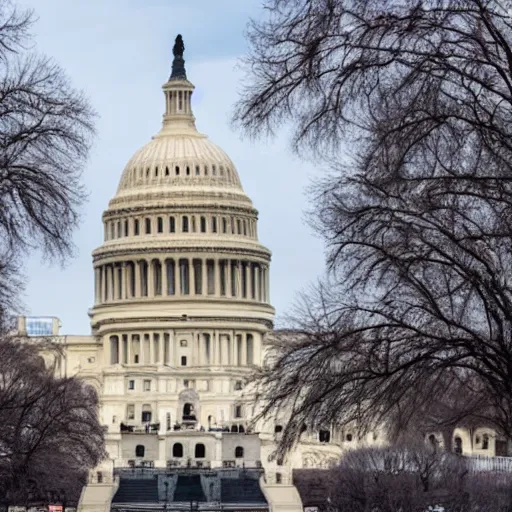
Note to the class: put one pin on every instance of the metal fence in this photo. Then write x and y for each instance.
(481, 463)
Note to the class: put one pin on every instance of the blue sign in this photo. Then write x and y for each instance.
(39, 325)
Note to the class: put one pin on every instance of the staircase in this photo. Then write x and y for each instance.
(189, 488)
(137, 491)
(241, 490)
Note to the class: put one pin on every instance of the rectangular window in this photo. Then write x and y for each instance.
(130, 411)
(147, 385)
(172, 224)
(131, 384)
(238, 411)
(160, 225)
(238, 385)
(183, 360)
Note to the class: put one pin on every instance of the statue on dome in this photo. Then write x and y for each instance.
(178, 47)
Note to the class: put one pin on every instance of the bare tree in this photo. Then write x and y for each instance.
(45, 134)
(50, 432)
(408, 477)
(410, 102)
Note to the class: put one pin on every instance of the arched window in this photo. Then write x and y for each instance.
(324, 436)
(214, 170)
(140, 450)
(184, 224)
(136, 227)
(234, 429)
(458, 445)
(188, 171)
(238, 229)
(278, 428)
(214, 224)
(239, 452)
(433, 441)
(189, 412)
(197, 170)
(177, 170)
(148, 226)
(224, 225)
(172, 225)
(160, 225)
(203, 225)
(126, 228)
(177, 450)
(167, 171)
(349, 437)
(200, 452)
(241, 429)
(485, 442)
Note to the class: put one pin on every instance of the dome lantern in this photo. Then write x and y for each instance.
(178, 93)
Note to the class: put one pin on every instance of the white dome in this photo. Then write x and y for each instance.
(178, 156)
(179, 159)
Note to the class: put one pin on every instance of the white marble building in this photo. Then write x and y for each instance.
(182, 309)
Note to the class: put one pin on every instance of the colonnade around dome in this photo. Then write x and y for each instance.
(186, 275)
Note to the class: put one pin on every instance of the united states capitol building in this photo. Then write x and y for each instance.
(181, 316)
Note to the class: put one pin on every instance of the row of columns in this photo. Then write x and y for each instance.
(163, 348)
(181, 277)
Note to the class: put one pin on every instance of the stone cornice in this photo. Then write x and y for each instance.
(129, 251)
(200, 207)
(178, 319)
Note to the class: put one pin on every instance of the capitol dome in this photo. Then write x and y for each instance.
(179, 158)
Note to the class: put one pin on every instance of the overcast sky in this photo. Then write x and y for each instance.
(119, 52)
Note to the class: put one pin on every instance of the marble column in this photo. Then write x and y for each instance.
(97, 285)
(124, 280)
(216, 276)
(228, 274)
(192, 277)
(115, 284)
(248, 283)
(110, 294)
(138, 290)
(257, 283)
(165, 284)
(204, 281)
(244, 351)
(151, 279)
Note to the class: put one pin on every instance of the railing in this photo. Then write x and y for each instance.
(139, 429)
(137, 463)
(149, 473)
(482, 463)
